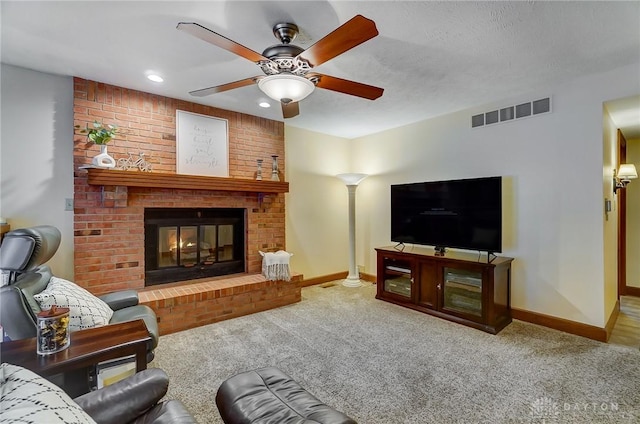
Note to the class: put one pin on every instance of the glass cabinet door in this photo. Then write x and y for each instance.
(462, 291)
(398, 278)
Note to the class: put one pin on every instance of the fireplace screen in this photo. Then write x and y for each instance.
(191, 245)
(184, 244)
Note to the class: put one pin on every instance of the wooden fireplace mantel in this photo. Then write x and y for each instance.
(112, 177)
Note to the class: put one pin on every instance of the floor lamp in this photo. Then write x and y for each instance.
(352, 181)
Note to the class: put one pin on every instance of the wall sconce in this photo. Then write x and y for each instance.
(626, 173)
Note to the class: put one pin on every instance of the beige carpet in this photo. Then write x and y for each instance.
(381, 363)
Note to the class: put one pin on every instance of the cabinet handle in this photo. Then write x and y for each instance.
(411, 280)
(439, 286)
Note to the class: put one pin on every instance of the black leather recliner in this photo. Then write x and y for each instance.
(23, 254)
(138, 399)
(135, 400)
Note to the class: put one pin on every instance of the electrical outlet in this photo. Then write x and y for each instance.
(68, 204)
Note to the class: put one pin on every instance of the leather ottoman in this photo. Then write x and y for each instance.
(268, 395)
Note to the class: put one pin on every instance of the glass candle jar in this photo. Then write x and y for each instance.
(53, 331)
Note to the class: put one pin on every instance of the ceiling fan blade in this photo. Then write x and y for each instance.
(221, 41)
(290, 109)
(224, 87)
(345, 86)
(347, 36)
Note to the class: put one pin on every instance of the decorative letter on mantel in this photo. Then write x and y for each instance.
(202, 145)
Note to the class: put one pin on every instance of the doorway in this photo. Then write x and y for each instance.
(624, 113)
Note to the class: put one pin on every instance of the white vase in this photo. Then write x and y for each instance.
(103, 160)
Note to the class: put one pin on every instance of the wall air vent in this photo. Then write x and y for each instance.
(541, 106)
(511, 113)
(477, 120)
(523, 110)
(491, 117)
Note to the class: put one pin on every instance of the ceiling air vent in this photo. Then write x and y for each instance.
(510, 113)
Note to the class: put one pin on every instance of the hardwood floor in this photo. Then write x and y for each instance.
(627, 329)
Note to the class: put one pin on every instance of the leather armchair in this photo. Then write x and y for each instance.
(135, 400)
(23, 254)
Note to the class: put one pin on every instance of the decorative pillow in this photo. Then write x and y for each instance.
(28, 398)
(85, 310)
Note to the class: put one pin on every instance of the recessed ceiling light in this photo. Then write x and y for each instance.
(264, 104)
(155, 78)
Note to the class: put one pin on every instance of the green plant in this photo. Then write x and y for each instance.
(100, 134)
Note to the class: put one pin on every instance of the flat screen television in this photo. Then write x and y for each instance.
(464, 214)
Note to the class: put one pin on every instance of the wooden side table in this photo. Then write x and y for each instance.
(88, 347)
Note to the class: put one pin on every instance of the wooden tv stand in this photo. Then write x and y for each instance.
(457, 286)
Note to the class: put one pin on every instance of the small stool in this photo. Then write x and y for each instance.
(268, 395)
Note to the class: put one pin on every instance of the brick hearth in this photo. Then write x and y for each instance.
(187, 306)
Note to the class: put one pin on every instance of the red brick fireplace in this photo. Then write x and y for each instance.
(109, 219)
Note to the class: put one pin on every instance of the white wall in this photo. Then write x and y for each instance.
(633, 217)
(36, 155)
(317, 204)
(552, 165)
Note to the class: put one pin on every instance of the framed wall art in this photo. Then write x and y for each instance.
(202, 145)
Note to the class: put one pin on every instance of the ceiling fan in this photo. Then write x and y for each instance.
(288, 68)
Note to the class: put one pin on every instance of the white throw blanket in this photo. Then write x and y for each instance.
(275, 265)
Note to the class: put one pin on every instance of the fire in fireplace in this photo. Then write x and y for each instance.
(189, 243)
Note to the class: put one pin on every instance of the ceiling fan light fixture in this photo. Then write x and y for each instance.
(286, 86)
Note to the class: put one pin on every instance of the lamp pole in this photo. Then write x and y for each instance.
(352, 181)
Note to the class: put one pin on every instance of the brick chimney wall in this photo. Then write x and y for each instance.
(109, 221)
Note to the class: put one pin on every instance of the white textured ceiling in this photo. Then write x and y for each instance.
(431, 58)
